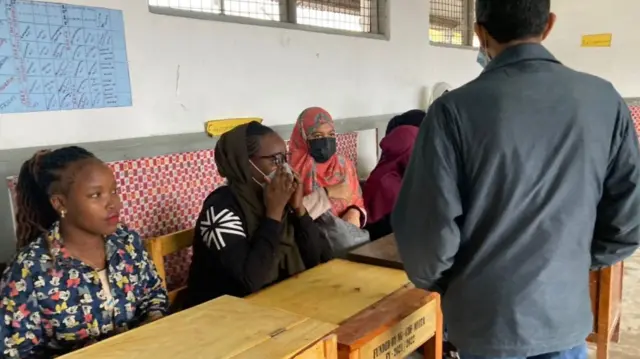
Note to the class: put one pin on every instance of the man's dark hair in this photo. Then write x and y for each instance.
(511, 20)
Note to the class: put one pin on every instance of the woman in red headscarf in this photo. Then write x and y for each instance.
(383, 185)
(313, 156)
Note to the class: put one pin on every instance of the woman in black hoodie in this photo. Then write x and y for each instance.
(254, 231)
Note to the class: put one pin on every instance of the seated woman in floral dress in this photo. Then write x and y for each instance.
(79, 276)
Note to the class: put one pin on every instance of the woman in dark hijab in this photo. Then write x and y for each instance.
(383, 185)
(409, 118)
(254, 231)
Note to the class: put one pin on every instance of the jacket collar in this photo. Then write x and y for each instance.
(55, 242)
(520, 53)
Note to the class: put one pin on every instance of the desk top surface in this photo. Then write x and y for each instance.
(333, 292)
(226, 328)
(382, 252)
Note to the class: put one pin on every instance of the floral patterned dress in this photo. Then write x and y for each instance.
(51, 303)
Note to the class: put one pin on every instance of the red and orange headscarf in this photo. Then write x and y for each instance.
(314, 175)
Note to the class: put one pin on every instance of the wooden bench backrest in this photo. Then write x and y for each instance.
(162, 246)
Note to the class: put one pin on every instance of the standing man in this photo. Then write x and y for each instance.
(519, 183)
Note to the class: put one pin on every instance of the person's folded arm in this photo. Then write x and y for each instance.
(358, 200)
(251, 259)
(248, 258)
(617, 230)
(428, 206)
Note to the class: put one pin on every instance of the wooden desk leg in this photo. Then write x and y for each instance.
(331, 347)
(602, 351)
(604, 314)
(433, 348)
(615, 336)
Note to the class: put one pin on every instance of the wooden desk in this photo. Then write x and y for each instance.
(382, 252)
(225, 328)
(380, 314)
(606, 290)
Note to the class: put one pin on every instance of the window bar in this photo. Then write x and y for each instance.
(289, 9)
(381, 18)
(470, 12)
(370, 13)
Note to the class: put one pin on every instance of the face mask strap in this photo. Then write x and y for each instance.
(485, 46)
(486, 52)
(484, 58)
(256, 167)
(257, 182)
(262, 173)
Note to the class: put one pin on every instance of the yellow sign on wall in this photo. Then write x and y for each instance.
(597, 40)
(216, 128)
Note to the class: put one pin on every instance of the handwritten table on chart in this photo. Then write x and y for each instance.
(61, 57)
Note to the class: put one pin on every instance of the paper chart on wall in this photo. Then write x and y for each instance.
(61, 57)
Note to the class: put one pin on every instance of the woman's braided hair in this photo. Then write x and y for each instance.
(39, 178)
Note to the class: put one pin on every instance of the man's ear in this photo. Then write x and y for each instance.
(550, 23)
(479, 33)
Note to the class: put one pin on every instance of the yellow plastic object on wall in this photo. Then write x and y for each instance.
(215, 128)
(597, 40)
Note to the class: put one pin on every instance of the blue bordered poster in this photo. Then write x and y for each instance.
(61, 57)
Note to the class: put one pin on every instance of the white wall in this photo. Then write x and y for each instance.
(232, 70)
(619, 64)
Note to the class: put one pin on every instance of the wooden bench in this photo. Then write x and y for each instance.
(163, 194)
(227, 327)
(606, 290)
(162, 246)
(380, 315)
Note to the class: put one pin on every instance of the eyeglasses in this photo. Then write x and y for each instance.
(277, 159)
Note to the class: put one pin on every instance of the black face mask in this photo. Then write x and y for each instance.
(322, 149)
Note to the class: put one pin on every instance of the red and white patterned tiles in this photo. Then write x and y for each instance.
(635, 114)
(163, 194)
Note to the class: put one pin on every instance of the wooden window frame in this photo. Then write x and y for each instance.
(467, 32)
(379, 20)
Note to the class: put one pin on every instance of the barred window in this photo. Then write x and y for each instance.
(336, 16)
(451, 23)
